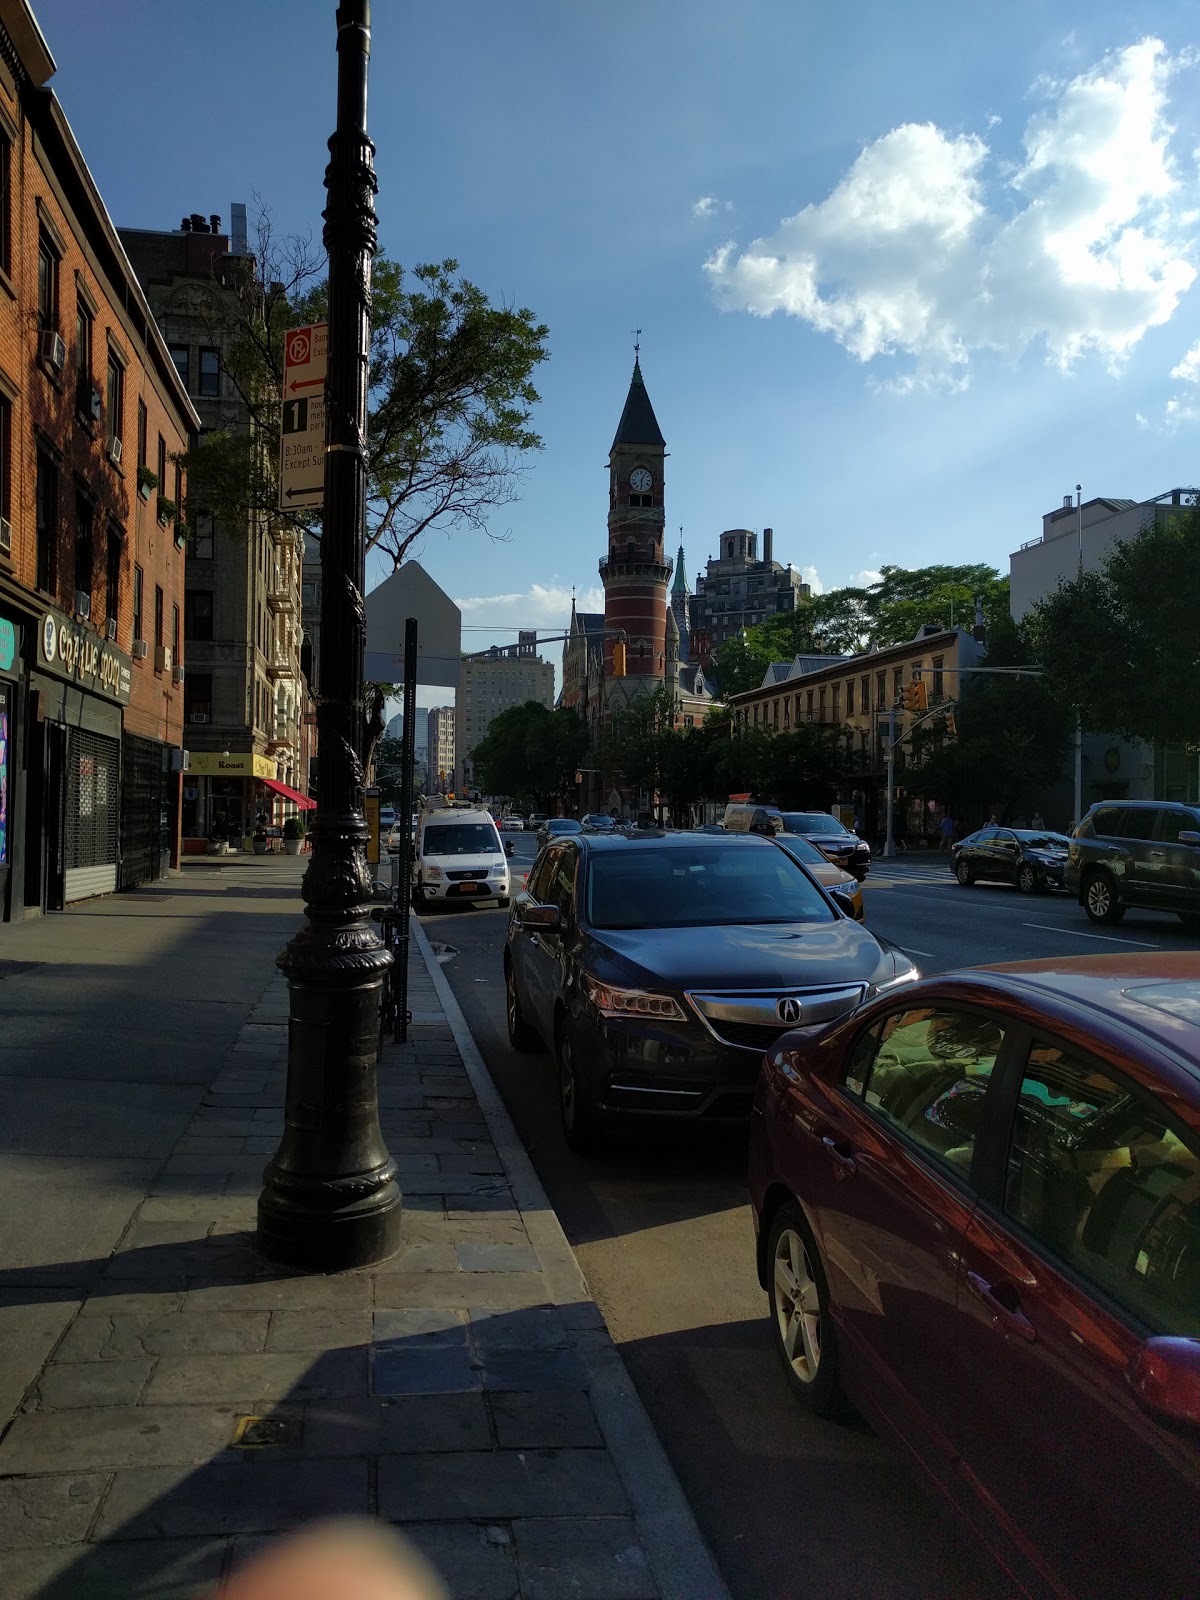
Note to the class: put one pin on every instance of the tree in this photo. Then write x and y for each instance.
(530, 754)
(389, 770)
(450, 397)
(1120, 644)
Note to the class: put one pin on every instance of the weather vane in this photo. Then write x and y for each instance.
(637, 343)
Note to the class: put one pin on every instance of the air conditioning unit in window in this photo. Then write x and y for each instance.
(83, 604)
(5, 536)
(199, 716)
(114, 451)
(110, 628)
(177, 675)
(52, 349)
(140, 649)
(162, 658)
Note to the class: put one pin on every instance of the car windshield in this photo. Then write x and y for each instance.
(461, 839)
(811, 822)
(1042, 841)
(564, 825)
(699, 888)
(801, 849)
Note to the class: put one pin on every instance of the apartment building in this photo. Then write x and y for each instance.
(735, 591)
(247, 732)
(440, 742)
(92, 554)
(489, 683)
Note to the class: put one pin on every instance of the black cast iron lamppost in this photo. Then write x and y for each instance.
(330, 1200)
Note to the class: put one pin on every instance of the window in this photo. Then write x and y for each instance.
(865, 697)
(1098, 1176)
(938, 690)
(5, 203)
(158, 614)
(1172, 821)
(84, 323)
(162, 465)
(197, 697)
(84, 553)
(47, 284)
(897, 683)
(138, 632)
(850, 698)
(175, 634)
(881, 691)
(775, 715)
(179, 355)
(5, 457)
(46, 512)
(202, 538)
(821, 703)
(198, 614)
(928, 1077)
(809, 704)
(112, 574)
(116, 399)
(837, 702)
(210, 373)
(143, 433)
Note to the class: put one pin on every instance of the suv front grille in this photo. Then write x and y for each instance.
(750, 1020)
(468, 875)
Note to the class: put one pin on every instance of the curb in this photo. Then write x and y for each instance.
(679, 1558)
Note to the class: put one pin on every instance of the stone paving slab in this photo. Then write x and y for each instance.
(499, 1485)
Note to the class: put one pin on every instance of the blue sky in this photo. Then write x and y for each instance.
(905, 275)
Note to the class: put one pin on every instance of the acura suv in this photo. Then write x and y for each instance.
(1142, 853)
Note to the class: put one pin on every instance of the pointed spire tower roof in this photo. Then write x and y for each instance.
(680, 583)
(638, 424)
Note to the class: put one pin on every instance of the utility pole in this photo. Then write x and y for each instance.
(889, 843)
(330, 1200)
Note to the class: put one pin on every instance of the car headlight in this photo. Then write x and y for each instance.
(498, 870)
(610, 1002)
(902, 971)
(433, 874)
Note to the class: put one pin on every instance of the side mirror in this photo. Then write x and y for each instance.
(547, 918)
(1164, 1374)
(1189, 836)
(843, 902)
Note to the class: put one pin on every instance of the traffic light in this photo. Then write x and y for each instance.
(618, 659)
(951, 725)
(916, 696)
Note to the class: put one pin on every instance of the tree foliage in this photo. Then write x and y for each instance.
(450, 400)
(1121, 644)
(847, 621)
(530, 755)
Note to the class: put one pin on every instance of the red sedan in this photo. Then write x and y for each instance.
(977, 1208)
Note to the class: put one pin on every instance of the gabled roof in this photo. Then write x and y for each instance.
(590, 621)
(803, 664)
(638, 424)
(777, 672)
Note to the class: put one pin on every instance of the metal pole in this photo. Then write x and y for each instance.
(404, 896)
(330, 1200)
(889, 844)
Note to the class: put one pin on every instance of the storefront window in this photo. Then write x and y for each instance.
(4, 748)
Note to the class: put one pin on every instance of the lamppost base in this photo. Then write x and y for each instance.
(315, 1238)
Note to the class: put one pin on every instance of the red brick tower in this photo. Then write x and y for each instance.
(636, 571)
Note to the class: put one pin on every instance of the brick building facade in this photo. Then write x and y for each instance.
(91, 555)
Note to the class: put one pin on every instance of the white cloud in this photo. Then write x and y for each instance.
(864, 579)
(1188, 369)
(812, 578)
(708, 206)
(928, 249)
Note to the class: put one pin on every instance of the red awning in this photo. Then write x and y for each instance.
(301, 800)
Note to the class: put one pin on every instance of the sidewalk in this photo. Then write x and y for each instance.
(174, 1399)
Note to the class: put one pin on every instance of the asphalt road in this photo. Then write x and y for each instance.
(789, 1504)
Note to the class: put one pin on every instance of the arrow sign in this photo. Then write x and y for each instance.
(302, 422)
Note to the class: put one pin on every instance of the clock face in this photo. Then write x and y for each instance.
(640, 480)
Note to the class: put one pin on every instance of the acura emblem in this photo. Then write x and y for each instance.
(788, 1010)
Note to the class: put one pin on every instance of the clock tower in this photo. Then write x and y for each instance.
(635, 573)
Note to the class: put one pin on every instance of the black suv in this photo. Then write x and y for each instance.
(1137, 853)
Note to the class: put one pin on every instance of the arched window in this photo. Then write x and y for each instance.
(729, 550)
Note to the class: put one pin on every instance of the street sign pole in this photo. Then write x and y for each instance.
(330, 1200)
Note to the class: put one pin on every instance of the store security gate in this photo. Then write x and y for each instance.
(90, 824)
(145, 807)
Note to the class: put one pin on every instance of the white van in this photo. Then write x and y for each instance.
(459, 856)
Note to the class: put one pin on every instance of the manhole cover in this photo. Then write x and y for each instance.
(267, 1433)
(10, 969)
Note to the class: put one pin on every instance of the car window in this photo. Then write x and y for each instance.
(1172, 821)
(1110, 824)
(985, 836)
(461, 839)
(560, 885)
(1097, 1175)
(539, 877)
(928, 1076)
(726, 884)
(1139, 822)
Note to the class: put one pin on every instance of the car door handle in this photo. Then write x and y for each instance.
(1008, 1319)
(1156, 855)
(844, 1166)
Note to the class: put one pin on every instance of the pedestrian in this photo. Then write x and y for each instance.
(1019, 822)
(991, 821)
(1036, 822)
(947, 832)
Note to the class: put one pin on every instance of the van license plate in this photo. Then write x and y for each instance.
(469, 888)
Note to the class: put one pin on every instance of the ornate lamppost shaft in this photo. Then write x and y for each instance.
(330, 1200)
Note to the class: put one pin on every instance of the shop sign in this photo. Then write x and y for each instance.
(76, 653)
(8, 644)
(235, 764)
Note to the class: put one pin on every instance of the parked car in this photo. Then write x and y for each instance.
(598, 822)
(977, 1213)
(658, 967)
(394, 837)
(1031, 858)
(836, 843)
(536, 818)
(823, 870)
(514, 821)
(557, 828)
(1137, 853)
(459, 856)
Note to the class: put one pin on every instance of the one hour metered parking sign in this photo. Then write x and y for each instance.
(302, 443)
